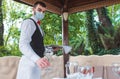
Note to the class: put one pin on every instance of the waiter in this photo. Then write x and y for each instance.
(31, 45)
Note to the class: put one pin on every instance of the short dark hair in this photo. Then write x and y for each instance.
(39, 3)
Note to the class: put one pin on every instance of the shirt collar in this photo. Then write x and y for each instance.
(35, 19)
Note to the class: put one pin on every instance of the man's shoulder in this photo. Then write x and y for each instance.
(28, 20)
(27, 23)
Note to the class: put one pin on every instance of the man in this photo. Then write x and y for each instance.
(31, 45)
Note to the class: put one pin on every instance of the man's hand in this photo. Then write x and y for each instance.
(42, 63)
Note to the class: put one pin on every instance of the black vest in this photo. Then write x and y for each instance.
(37, 41)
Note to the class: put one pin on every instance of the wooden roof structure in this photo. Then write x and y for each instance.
(71, 6)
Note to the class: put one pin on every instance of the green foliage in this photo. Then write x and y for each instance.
(1, 24)
(76, 25)
(14, 13)
(113, 51)
(11, 43)
(114, 12)
(52, 28)
(5, 51)
(77, 33)
(92, 33)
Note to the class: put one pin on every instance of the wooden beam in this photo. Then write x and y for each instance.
(99, 4)
(57, 3)
(72, 5)
(76, 3)
(23, 2)
(50, 7)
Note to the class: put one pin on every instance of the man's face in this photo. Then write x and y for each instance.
(39, 8)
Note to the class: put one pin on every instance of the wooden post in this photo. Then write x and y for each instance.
(65, 41)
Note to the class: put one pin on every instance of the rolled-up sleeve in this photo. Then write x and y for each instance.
(27, 30)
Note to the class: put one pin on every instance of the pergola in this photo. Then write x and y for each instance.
(67, 7)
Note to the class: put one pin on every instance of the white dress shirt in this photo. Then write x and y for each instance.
(27, 30)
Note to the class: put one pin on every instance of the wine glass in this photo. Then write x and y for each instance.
(71, 70)
(48, 55)
(116, 69)
(85, 72)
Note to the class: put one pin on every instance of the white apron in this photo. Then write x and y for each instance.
(28, 69)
